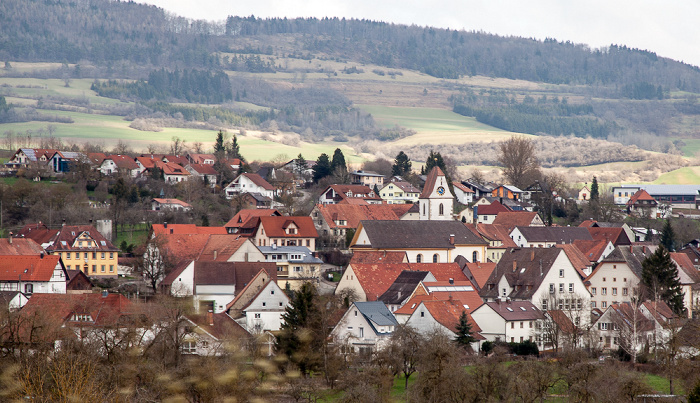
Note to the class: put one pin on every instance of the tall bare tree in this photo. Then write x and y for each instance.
(519, 162)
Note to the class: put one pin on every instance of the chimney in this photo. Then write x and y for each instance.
(398, 294)
(165, 224)
(452, 239)
(91, 221)
(215, 255)
(532, 254)
(171, 231)
(210, 317)
(515, 266)
(64, 223)
(10, 239)
(105, 293)
(452, 281)
(41, 255)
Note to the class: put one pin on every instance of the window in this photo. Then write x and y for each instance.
(436, 258)
(103, 255)
(68, 255)
(593, 290)
(85, 255)
(111, 268)
(603, 326)
(102, 268)
(551, 288)
(530, 324)
(77, 255)
(441, 209)
(604, 304)
(614, 291)
(512, 325)
(264, 303)
(94, 255)
(561, 287)
(579, 304)
(561, 272)
(422, 314)
(504, 292)
(624, 291)
(68, 267)
(419, 258)
(603, 291)
(28, 288)
(592, 304)
(94, 268)
(544, 304)
(571, 287)
(522, 324)
(257, 316)
(362, 332)
(272, 292)
(475, 256)
(189, 347)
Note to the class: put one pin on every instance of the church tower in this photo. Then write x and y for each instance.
(436, 201)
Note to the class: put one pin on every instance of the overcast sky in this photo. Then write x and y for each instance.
(669, 28)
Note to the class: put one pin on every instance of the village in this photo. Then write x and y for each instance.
(480, 263)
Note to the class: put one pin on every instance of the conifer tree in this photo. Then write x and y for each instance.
(219, 146)
(660, 279)
(464, 337)
(234, 150)
(322, 168)
(338, 161)
(402, 165)
(296, 339)
(595, 192)
(668, 237)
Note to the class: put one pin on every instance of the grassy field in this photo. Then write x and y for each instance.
(681, 176)
(434, 126)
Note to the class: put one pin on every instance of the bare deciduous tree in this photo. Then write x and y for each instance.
(519, 162)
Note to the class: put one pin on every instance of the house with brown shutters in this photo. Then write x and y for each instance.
(422, 241)
(239, 221)
(286, 230)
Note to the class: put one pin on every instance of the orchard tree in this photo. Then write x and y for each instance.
(520, 165)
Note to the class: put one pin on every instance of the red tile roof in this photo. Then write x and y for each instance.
(461, 187)
(122, 161)
(640, 195)
(413, 303)
(688, 274)
(375, 279)
(369, 257)
(577, 259)
(96, 158)
(494, 232)
(244, 215)
(492, 209)
(172, 201)
(430, 182)
(171, 168)
(512, 219)
(104, 310)
(204, 169)
(220, 248)
(221, 326)
(176, 159)
(470, 300)
(481, 271)
(441, 271)
(178, 229)
(275, 227)
(200, 158)
(184, 247)
(147, 162)
(616, 235)
(27, 268)
(65, 238)
(447, 313)
(38, 232)
(355, 201)
(592, 250)
(587, 223)
(19, 246)
(353, 214)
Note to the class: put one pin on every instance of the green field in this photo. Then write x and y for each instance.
(434, 125)
(681, 176)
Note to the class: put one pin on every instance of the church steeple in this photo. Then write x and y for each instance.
(436, 200)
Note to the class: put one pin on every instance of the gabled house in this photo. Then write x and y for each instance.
(477, 273)
(229, 248)
(614, 279)
(507, 192)
(641, 204)
(399, 193)
(443, 317)
(480, 190)
(32, 273)
(496, 236)
(264, 311)
(172, 172)
(65, 161)
(19, 246)
(367, 178)
(650, 323)
(365, 327)
(203, 159)
(213, 284)
(78, 282)
(463, 194)
(404, 287)
(205, 172)
(249, 183)
(487, 213)
(595, 251)
(689, 278)
(508, 321)
(512, 219)
(546, 237)
(158, 204)
(119, 165)
(616, 235)
(175, 159)
(334, 221)
(252, 288)
(27, 157)
(212, 334)
(287, 230)
(12, 300)
(234, 225)
(334, 194)
(295, 264)
(584, 194)
(423, 241)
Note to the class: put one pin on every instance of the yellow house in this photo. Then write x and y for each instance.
(82, 248)
(399, 193)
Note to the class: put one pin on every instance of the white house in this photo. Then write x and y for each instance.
(463, 194)
(365, 327)
(546, 237)
(399, 193)
(33, 274)
(442, 317)
(436, 202)
(508, 321)
(249, 183)
(264, 311)
(615, 278)
(158, 204)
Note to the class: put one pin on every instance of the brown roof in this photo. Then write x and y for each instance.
(171, 168)
(147, 162)
(405, 186)
(172, 201)
(247, 294)
(352, 214)
(179, 229)
(19, 246)
(563, 322)
(492, 209)
(687, 273)
(27, 268)
(96, 158)
(397, 234)
(641, 195)
(430, 182)
(275, 227)
(447, 313)
(661, 312)
(122, 161)
(516, 310)
(200, 158)
(480, 272)
(494, 232)
(221, 326)
(512, 219)
(587, 223)
(104, 310)
(233, 273)
(220, 248)
(531, 267)
(258, 180)
(592, 250)
(184, 247)
(375, 279)
(369, 257)
(244, 215)
(616, 235)
(64, 239)
(461, 187)
(204, 169)
(37, 232)
(176, 159)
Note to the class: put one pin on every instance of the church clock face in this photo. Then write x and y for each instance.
(441, 190)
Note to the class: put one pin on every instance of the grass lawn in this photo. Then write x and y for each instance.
(681, 176)
(137, 236)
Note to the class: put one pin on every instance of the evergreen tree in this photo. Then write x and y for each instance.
(402, 165)
(219, 146)
(464, 337)
(234, 150)
(595, 192)
(668, 237)
(660, 279)
(322, 168)
(296, 339)
(434, 159)
(300, 164)
(338, 161)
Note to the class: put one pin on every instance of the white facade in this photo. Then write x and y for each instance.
(265, 311)
(438, 205)
(424, 323)
(242, 184)
(219, 294)
(611, 283)
(356, 330)
(495, 328)
(183, 285)
(349, 281)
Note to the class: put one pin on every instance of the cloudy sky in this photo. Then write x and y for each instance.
(669, 28)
